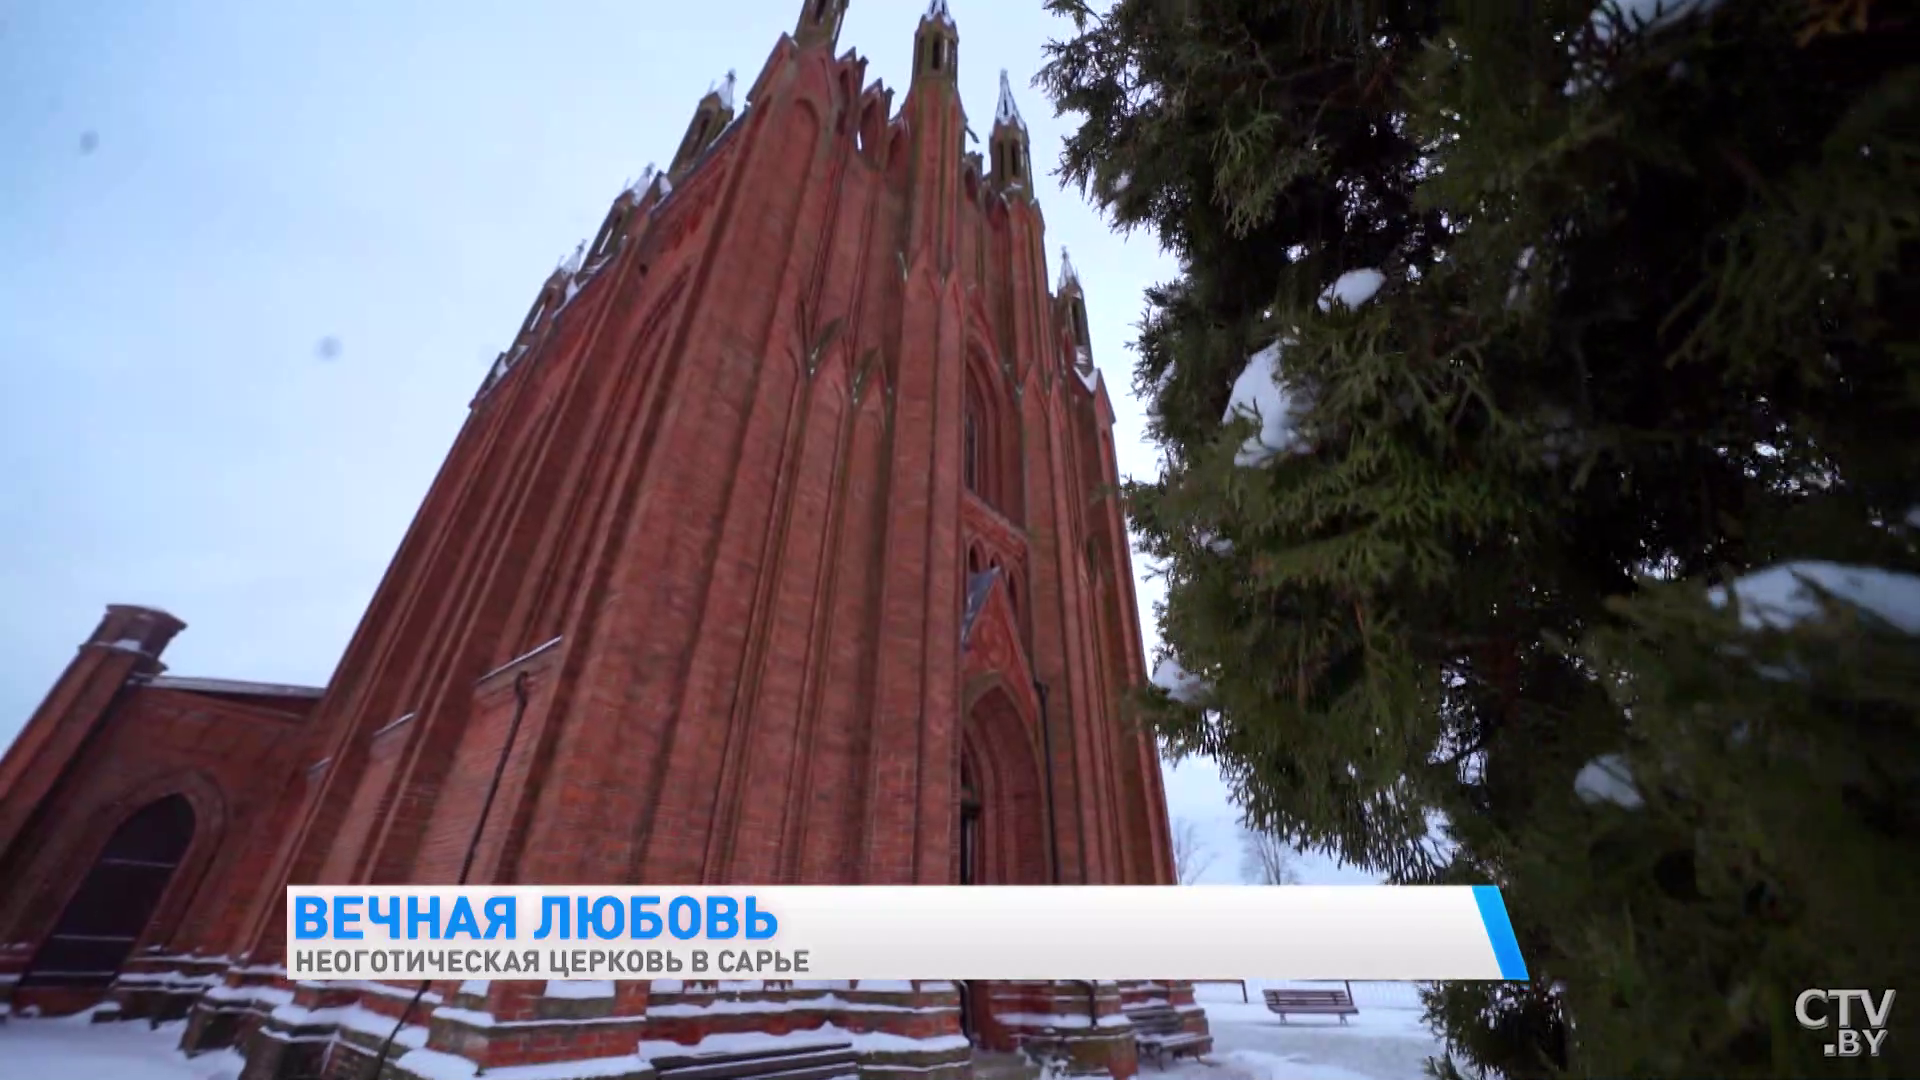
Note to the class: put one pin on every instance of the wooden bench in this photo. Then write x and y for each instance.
(1311, 1003)
(820, 1061)
(1157, 1032)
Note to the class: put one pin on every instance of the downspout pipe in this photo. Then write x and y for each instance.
(466, 864)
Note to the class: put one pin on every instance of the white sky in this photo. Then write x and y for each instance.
(194, 194)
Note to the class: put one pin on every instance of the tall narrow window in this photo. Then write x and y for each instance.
(969, 827)
(970, 461)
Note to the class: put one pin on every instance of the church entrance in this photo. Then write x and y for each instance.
(115, 901)
(1002, 823)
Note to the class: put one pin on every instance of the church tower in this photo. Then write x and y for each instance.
(779, 546)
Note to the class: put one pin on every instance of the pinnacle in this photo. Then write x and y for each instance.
(1008, 113)
(639, 187)
(1067, 276)
(724, 90)
(938, 10)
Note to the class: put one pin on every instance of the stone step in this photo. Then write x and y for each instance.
(819, 1062)
(994, 1065)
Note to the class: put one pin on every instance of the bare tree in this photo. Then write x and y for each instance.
(1191, 855)
(1266, 859)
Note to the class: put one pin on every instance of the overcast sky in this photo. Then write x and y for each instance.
(261, 254)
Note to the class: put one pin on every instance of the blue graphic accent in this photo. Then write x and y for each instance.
(1506, 948)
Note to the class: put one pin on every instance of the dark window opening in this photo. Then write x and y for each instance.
(110, 910)
(969, 828)
(970, 463)
(939, 54)
(820, 9)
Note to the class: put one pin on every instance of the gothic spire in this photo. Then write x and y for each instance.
(1068, 279)
(710, 118)
(1007, 112)
(820, 22)
(936, 49)
(1007, 145)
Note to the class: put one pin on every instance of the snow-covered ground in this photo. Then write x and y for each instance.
(1385, 1042)
(72, 1046)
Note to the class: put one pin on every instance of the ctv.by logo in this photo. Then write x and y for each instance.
(1810, 1008)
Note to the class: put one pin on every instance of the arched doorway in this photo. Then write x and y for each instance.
(117, 898)
(1003, 816)
(1003, 821)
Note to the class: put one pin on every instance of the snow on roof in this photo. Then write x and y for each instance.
(639, 186)
(1007, 112)
(579, 989)
(724, 90)
(571, 264)
(234, 686)
(1083, 366)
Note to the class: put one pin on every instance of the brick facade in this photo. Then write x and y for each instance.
(778, 548)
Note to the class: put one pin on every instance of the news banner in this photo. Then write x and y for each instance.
(901, 932)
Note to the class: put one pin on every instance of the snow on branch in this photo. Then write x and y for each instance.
(1258, 395)
(1186, 688)
(1781, 597)
(1608, 779)
(1644, 15)
(1352, 289)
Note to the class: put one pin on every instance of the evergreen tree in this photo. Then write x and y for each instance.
(1561, 318)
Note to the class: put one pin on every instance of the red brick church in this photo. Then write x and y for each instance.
(780, 547)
